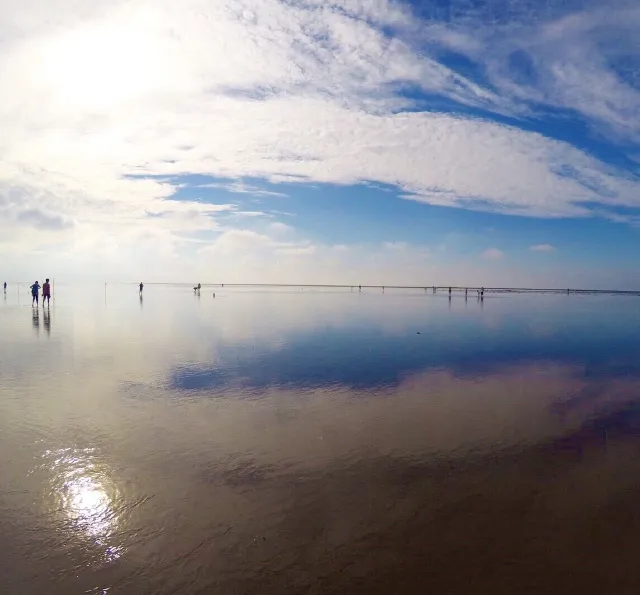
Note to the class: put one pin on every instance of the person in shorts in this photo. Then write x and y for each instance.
(46, 292)
(35, 288)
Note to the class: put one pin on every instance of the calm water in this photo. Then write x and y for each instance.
(302, 441)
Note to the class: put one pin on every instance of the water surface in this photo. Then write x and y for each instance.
(308, 441)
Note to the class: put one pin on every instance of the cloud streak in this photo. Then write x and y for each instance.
(493, 254)
(542, 248)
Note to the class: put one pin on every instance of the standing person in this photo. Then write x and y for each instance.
(141, 287)
(46, 292)
(35, 288)
(5, 287)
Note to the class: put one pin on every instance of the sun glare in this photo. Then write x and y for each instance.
(101, 66)
(84, 494)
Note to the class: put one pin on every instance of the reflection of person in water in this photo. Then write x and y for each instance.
(47, 321)
(36, 320)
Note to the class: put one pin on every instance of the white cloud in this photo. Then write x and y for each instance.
(493, 254)
(582, 57)
(542, 248)
(241, 188)
(395, 245)
(284, 92)
(241, 256)
(277, 228)
(252, 214)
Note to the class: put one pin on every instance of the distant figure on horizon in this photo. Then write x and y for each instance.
(35, 289)
(5, 287)
(196, 289)
(482, 292)
(46, 292)
(466, 291)
(141, 287)
(449, 290)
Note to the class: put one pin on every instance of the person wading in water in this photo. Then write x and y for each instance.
(35, 288)
(46, 292)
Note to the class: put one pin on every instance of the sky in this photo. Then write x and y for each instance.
(474, 142)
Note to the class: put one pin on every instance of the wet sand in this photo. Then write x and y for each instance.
(514, 477)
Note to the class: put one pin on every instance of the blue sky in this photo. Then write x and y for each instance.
(338, 141)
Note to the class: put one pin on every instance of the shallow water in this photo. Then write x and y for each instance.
(318, 442)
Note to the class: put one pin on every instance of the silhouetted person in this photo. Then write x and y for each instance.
(5, 287)
(46, 292)
(359, 287)
(465, 292)
(482, 293)
(141, 287)
(449, 291)
(35, 289)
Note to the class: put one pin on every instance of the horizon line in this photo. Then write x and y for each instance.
(381, 286)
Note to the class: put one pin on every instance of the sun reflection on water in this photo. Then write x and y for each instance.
(83, 493)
